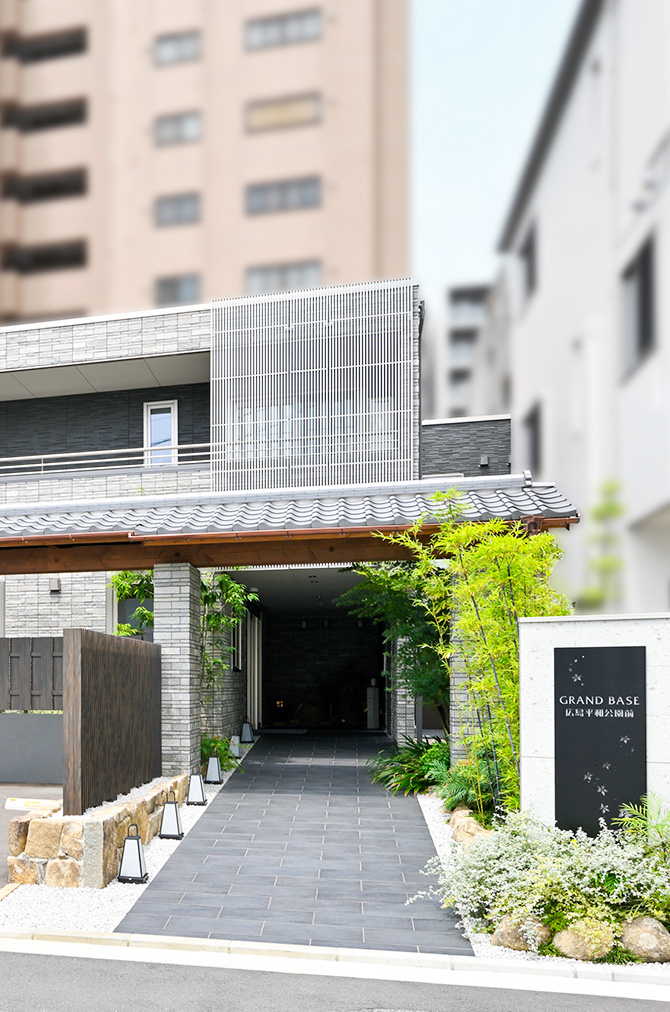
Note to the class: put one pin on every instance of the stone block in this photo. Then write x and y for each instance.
(44, 838)
(585, 940)
(18, 831)
(110, 853)
(22, 871)
(513, 936)
(71, 841)
(63, 873)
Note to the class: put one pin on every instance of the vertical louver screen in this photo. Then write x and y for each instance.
(315, 388)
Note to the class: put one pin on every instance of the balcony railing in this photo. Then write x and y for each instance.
(59, 464)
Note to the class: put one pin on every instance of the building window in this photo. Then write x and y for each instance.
(160, 433)
(288, 195)
(45, 186)
(183, 289)
(178, 128)
(462, 348)
(180, 209)
(283, 29)
(532, 424)
(460, 382)
(46, 47)
(283, 277)
(638, 306)
(180, 47)
(36, 259)
(280, 113)
(528, 263)
(28, 119)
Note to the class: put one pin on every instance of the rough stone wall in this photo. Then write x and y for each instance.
(457, 447)
(31, 609)
(177, 629)
(113, 338)
(400, 709)
(45, 849)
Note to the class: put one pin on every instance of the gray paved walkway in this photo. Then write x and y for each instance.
(300, 846)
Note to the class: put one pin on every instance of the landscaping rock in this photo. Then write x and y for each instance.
(71, 842)
(511, 935)
(647, 939)
(44, 838)
(585, 940)
(22, 870)
(18, 831)
(62, 872)
(464, 826)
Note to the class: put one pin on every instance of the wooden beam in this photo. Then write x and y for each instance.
(122, 550)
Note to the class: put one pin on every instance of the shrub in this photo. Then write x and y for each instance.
(414, 767)
(470, 782)
(217, 747)
(529, 871)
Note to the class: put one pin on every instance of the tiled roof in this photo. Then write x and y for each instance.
(510, 497)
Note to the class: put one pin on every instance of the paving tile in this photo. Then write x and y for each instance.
(301, 847)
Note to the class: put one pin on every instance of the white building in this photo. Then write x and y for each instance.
(587, 269)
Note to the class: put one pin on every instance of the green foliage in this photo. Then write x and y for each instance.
(471, 782)
(392, 595)
(133, 585)
(604, 559)
(224, 605)
(473, 582)
(649, 823)
(412, 768)
(533, 872)
(619, 956)
(218, 747)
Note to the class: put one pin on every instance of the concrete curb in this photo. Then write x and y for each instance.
(374, 957)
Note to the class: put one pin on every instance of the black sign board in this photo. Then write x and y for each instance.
(600, 733)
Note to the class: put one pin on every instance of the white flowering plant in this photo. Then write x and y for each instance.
(543, 875)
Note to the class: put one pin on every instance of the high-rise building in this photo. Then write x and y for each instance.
(155, 152)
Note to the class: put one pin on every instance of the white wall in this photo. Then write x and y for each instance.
(537, 639)
(567, 340)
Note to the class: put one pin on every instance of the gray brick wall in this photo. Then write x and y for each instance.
(224, 713)
(112, 338)
(32, 610)
(456, 447)
(102, 421)
(400, 708)
(177, 629)
(92, 486)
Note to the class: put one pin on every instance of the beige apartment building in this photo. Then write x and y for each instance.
(157, 152)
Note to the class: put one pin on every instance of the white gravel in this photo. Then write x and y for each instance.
(436, 819)
(42, 908)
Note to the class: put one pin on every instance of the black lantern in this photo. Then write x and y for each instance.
(133, 868)
(213, 774)
(171, 828)
(196, 790)
(247, 735)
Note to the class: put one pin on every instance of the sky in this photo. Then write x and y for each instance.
(481, 72)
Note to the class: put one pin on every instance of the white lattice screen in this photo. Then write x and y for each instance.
(315, 388)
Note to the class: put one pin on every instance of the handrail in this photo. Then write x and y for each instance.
(126, 457)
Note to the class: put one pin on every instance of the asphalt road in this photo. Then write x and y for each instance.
(60, 984)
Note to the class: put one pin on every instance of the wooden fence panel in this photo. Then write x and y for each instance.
(31, 673)
(111, 717)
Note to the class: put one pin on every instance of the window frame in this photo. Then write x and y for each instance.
(174, 201)
(175, 278)
(528, 266)
(280, 21)
(175, 117)
(149, 450)
(639, 306)
(187, 33)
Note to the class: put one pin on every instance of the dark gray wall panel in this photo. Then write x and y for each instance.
(31, 748)
(457, 447)
(106, 421)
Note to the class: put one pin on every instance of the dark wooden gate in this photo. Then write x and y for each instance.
(31, 673)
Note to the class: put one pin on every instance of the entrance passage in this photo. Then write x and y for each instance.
(301, 847)
(317, 668)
